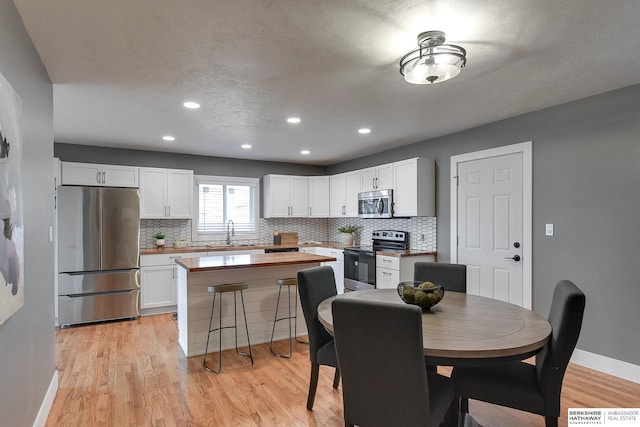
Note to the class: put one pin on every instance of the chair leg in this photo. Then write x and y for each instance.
(336, 378)
(551, 421)
(313, 385)
(246, 327)
(452, 416)
(204, 361)
(464, 405)
(296, 320)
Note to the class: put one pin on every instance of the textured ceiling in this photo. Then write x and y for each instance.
(121, 69)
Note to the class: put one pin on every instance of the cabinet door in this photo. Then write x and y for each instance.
(368, 179)
(152, 193)
(276, 196)
(387, 278)
(414, 194)
(319, 197)
(157, 287)
(352, 180)
(179, 193)
(384, 177)
(338, 195)
(120, 176)
(299, 196)
(81, 174)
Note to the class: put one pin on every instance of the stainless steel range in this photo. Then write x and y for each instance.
(360, 263)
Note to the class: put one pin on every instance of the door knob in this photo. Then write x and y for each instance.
(516, 258)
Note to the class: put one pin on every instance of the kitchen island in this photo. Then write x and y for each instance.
(260, 271)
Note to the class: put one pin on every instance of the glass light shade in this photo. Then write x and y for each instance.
(433, 68)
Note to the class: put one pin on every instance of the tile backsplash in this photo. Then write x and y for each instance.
(422, 230)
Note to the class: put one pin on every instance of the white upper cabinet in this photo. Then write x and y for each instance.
(99, 175)
(285, 196)
(344, 189)
(377, 178)
(319, 196)
(414, 193)
(166, 193)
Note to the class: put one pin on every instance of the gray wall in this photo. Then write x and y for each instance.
(202, 165)
(586, 157)
(27, 341)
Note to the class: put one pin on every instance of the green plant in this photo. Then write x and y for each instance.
(349, 229)
(160, 235)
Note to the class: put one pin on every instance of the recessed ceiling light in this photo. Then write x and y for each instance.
(293, 120)
(191, 105)
(169, 138)
(305, 152)
(364, 130)
(246, 146)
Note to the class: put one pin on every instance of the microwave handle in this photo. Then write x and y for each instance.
(380, 205)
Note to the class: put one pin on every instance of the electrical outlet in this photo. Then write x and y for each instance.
(548, 230)
(422, 237)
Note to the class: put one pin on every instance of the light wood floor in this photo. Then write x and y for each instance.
(133, 373)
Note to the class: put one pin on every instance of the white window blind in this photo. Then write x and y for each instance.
(221, 200)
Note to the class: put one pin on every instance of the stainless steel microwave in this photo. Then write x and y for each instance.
(375, 204)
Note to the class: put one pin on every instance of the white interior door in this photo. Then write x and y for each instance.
(493, 222)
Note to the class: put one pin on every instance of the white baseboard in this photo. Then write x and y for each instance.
(617, 368)
(47, 402)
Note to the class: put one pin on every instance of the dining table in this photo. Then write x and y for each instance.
(465, 330)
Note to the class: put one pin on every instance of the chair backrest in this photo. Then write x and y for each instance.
(452, 277)
(315, 285)
(380, 354)
(565, 316)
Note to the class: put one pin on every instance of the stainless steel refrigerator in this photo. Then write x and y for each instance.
(98, 253)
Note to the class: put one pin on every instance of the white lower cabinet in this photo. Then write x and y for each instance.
(158, 281)
(338, 265)
(158, 286)
(391, 270)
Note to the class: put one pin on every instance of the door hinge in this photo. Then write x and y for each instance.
(457, 180)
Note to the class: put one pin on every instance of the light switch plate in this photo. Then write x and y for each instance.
(548, 230)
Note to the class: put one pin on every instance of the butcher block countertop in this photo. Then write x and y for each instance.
(227, 262)
(333, 245)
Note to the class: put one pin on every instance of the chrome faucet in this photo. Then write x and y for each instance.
(231, 231)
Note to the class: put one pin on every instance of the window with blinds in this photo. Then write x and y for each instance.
(223, 199)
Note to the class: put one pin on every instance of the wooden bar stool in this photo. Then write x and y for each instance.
(222, 289)
(289, 283)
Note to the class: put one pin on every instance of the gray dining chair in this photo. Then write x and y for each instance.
(520, 385)
(315, 285)
(384, 378)
(452, 277)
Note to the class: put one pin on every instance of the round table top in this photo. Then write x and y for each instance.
(466, 329)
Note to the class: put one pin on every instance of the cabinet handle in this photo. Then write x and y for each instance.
(175, 257)
(98, 177)
(104, 177)
(310, 211)
(386, 274)
(169, 210)
(375, 182)
(386, 260)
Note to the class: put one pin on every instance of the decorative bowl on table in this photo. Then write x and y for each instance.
(422, 294)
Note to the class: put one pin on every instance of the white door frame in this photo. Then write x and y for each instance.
(526, 148)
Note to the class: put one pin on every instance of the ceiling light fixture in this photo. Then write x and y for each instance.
(246, 146)
(305, 152)
(433, 61)
(364, 130)
(191, 105)
(169, 138)
(293, 120)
